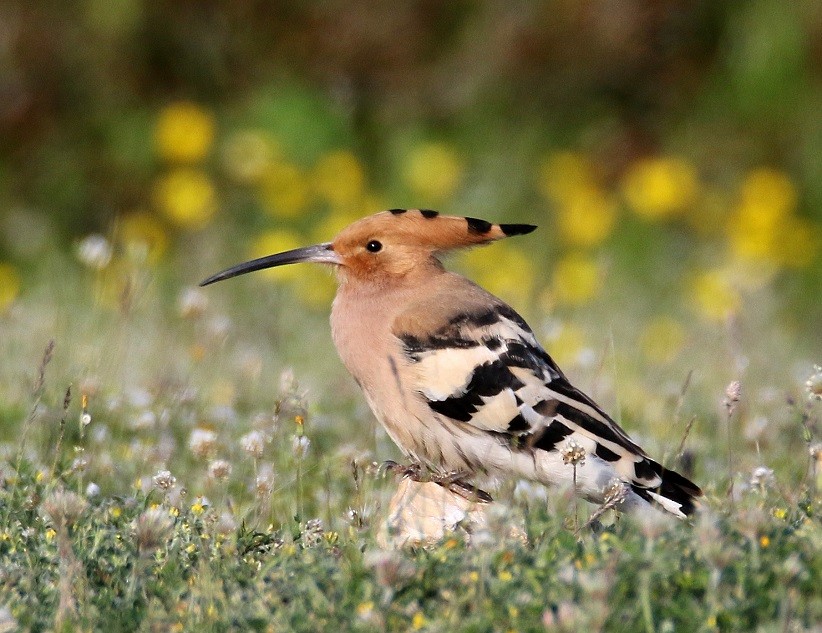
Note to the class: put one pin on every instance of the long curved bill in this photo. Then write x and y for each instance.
(319, 253)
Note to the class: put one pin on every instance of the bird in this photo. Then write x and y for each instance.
(457, 378)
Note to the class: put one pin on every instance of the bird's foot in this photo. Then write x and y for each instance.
(453, 482)
(414, 471)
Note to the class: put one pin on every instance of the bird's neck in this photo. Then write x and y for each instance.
(362, 315)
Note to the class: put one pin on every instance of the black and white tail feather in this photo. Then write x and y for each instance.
(484, 374)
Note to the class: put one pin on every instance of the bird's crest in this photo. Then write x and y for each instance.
(429, 230)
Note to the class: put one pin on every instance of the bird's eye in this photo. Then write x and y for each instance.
(373, 246)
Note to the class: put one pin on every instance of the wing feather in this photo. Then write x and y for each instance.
(486, 369)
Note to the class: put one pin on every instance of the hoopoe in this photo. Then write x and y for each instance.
(455, 376)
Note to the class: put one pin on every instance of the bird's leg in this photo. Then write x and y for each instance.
(455, 482)
(413, 471)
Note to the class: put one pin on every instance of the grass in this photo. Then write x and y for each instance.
(253, 528)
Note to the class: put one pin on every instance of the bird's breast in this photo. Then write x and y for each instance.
(361, 330)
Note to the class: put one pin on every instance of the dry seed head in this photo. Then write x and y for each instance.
(615, 492)
(64, 507)
(253, 443)
(300, 445)
(312, 532)
(152, 528)
(573, 453)
(814, 383)
(192, 303)
(264, 482)
(202, 442)
(79, 464)
(226, 524)
(7, 621)
(219, 469)
(288, 383)
(761, 477)
(733, 392)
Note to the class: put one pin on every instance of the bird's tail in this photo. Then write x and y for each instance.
(676, 494)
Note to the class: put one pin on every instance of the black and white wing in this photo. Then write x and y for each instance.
(486, 369)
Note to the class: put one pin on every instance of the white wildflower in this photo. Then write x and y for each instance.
(573, 453)
(219, 469)
(814, 383)
(152, 527)
(761, 477)
(94, 251)
(164, 480)
(202, 442)
(192, 303)
(63, 507)
(300, 445)
(253, 443)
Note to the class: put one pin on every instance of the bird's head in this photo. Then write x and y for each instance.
(387, 245)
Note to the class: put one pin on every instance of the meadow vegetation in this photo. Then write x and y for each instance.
(177, 458)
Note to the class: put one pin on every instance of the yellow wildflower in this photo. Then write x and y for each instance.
(184, 132)
(339, 178)
(418, 621)
(567, 344)
(284, 190)
(562, 175)
(187, 197)
(505, 576)
(316, 288)
(586, 218)
(364, 609)
(769, 190)
(657, 188)
(141, 232)
(433, 171)
(246, 155)
(510, 277)
(576, 279)
(50, 534)
(714, 296)
(763, 227)
(662, 339)
(799, 243)
(9, 285)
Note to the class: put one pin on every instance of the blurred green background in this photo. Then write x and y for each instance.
(671, 152)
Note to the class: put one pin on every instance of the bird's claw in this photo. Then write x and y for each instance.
(453, 482)
(412, 471)
(463, 489)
